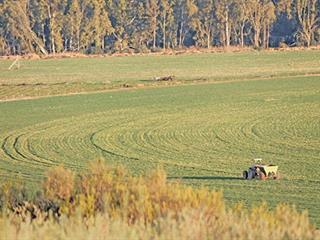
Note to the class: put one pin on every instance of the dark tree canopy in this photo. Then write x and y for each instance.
(102, 26)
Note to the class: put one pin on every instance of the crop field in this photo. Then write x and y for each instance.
(64, 76)
(202, 134)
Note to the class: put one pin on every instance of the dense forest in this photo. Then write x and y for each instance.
(107, 26)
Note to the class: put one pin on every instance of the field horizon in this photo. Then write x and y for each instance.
(66, 76)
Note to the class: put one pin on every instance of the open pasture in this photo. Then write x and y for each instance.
(203, 134)
(63, 76)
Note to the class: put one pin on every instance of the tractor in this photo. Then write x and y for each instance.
(261, 171)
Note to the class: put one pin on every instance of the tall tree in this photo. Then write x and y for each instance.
(121, 21)
(204, 24)
(308, 16)
(141, 30)
(99, 24)
(269, 16)
(241, 19)
(185, 12)
(223, 13)
(3, 43)
(18, 31)
(166, 19)
(96, 26)
(152, 14)
(74, 24)
(54, 17)
(263, 16)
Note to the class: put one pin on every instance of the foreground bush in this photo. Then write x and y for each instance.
(108, 203)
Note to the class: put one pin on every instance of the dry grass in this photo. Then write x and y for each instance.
(107, 203)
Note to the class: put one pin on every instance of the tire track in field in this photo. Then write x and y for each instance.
(272, 139)
(4, 148)
(188, 140)
(24, 155)
(104, 150)
(18, 146)
(9, 147)
(141, 140)
(14, 163)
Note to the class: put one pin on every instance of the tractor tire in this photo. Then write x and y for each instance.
(277, 176)
(262, 176)
(245, 175)
(272, 175)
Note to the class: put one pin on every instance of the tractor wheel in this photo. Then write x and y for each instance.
(245, 174)
(262, 176)
(250, 174)
(272, 175)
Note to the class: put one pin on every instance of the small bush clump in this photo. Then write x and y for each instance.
(59, 184)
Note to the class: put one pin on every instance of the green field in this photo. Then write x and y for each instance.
(204, 134)
(63, 76)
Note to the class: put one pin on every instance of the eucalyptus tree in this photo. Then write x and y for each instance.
(262, 17)
(223, 14)
(241, 20)
(17, 30)
(166, 21)
(185, 12)
(152, 15)
(98, 24)
(54, 16)
(205, 23)
(74, 24)
(307, 13)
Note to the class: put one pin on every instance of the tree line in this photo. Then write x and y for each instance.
(104, 26)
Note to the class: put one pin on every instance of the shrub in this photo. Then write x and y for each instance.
(92, 187)
(59, 184)
(110, 203)
(12, 194)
